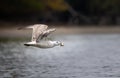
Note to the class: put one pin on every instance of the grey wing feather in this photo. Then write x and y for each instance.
(38, 30)
(47, 32)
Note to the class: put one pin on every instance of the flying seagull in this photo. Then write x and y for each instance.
(40, 32)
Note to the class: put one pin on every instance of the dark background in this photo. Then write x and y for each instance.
(73, 12)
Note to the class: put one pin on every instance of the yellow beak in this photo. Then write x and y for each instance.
(62, 44)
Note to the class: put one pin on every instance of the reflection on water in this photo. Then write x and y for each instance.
(83, 56)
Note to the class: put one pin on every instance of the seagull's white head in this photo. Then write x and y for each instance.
(57, 43)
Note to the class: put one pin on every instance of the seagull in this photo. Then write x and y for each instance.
(39, 36)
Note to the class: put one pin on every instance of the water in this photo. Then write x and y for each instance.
(83, 56)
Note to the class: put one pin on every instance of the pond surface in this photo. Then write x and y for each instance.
(83, 56)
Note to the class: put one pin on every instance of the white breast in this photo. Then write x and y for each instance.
(45, 44)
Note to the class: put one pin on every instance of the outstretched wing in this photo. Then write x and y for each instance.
(47, 32)
(38, 30)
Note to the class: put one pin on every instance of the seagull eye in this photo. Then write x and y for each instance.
(57, 42)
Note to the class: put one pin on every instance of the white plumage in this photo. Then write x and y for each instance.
(40, 32)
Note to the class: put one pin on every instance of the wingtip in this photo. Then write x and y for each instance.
(19, 28)
(53, 29)
(26, 45)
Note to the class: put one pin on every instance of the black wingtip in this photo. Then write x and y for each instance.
(19, 28)
(26, 45)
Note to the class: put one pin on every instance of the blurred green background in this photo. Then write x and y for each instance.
(77, 12)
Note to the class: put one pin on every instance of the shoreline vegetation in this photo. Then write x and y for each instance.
(61, 30)
(10, 32)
